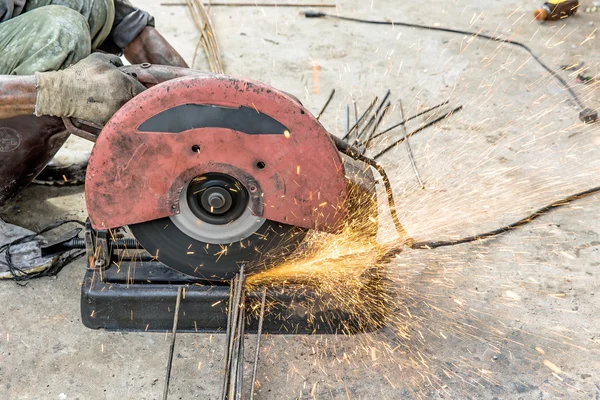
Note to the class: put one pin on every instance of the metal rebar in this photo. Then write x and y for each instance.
(374, 117)
(419, 129)
(347, 117)
(364, 129)
(258, 336)
(232, 324)
(228, 336)
(239, 382)
(232, 380)
(172, 348)
(370, 136)
(387, 94)
(408, 149)
(325, 105)
(411, 118)
(367, 111)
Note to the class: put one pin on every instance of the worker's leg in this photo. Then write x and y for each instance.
(99, 14)
(45, 39)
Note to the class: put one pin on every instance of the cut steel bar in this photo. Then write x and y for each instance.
(373, 118)
(408, 149)
(172, 348)
(387, 94)
(347, 117)
(232, 380)
(370, 136)
(232, 286)
(411, 118)
(258, 336)
(325, 105)
(419, 129)
(367, 112)
(239, 381)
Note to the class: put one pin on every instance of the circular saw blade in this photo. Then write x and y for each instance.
(270, 244)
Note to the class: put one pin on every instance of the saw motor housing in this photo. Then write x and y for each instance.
(211, 172)
(174, 164)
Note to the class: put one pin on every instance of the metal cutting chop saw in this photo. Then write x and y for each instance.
(209, 173)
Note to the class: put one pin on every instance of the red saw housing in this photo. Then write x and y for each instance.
(194, 125)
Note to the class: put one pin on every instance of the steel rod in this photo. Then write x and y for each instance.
(419, 129)
(325, 105)
(370, 136)
(239, 382)
(347, 117)
(235, 336)
(228, 336)
(408, 149)
(411, 118)
(172, 348)
(367, 111)
(258, 336)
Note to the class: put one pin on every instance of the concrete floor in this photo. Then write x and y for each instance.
(512, 318)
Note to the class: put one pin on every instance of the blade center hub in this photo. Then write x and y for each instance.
(217, 199)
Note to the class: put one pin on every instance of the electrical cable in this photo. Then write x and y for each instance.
(572, 93)
(524, 221)
(354, 153)
(20, 275)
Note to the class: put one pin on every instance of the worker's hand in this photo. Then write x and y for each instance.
(91, 90)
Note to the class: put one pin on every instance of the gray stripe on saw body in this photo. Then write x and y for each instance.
(193, 116)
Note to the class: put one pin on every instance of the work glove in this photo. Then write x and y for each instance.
(91, 90)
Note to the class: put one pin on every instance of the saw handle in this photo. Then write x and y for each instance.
(149, 75)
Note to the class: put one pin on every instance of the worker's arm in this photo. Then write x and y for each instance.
(151, 47)
(17, 95)
(91, 90)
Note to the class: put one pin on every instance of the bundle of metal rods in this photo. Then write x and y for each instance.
(364, 131)
(234, 340)
(208, 39)
(361, 135)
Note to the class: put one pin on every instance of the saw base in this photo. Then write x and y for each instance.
(141, 296)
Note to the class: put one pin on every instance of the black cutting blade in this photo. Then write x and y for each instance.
(270, 244)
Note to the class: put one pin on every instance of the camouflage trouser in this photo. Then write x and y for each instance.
(53, 34)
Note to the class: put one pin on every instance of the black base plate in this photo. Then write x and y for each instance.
(141, 296)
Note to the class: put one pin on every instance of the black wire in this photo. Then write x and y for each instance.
(353, 152)
(544, 210)
(19, 275)
(574, 96)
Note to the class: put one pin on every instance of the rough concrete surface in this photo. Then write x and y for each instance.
(515, 317)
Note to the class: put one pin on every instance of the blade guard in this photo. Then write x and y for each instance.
(186, 127)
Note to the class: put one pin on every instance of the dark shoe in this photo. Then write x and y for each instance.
(68, 166)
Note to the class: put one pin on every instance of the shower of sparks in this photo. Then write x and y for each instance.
(517, 145)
